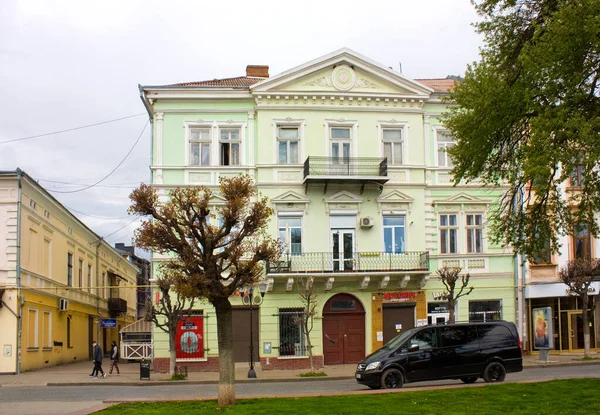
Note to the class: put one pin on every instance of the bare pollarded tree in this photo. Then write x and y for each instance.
(450, 277)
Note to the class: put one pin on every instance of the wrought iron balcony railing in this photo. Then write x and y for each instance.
(313, 262)
(344, 167)
(117, 306)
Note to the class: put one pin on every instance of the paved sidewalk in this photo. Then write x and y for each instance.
(77, 373)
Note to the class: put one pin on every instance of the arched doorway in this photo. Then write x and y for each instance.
(343, 330)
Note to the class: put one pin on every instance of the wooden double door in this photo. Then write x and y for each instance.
(343, 330)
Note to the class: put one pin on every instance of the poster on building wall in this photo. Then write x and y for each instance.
(543, 337)
(189, 338)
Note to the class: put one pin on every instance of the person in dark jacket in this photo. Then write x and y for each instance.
(114, 358)
(97, 356)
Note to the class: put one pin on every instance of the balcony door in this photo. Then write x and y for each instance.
(340, 139)
(342, 249)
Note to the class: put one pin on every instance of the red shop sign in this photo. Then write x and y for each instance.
(189, 338)
(400, 296)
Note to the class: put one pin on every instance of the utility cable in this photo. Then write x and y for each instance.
(122, 227)
(72, 129)
(113, 170)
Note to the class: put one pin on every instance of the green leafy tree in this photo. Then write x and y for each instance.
(210, 253)
(450, 277)
(578, 275)
(171, 308)
(527, 115)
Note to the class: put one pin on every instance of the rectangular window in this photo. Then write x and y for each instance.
(393, 234)
(474, 233)
(200, 146)
(485, 310)
(288, 139)
(457, 336)
(89, 278)
(80, 272)
(48, 257)
(70, 269)
(340, 144)
(290, 233)
(32, 335)
(392, 145)
(229, 140)
(544, 256)
(444, 142)
(448, 234)
(69, 331)
(581, 241)
(292, 340)
(47, 324)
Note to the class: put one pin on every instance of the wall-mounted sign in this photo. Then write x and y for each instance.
(108, 323)
(7, 350)
(189, 338)
(267, 347)
(400, 296)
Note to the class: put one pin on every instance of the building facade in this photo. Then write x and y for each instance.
(61, 285)
(353, 157)
(143, 279)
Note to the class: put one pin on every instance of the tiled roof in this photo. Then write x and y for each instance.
(240, 81)
(438, 85)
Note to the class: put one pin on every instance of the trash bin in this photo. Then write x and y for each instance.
(145, 369)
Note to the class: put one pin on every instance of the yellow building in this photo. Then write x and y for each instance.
(61, 285)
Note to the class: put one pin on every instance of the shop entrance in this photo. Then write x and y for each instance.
(572, 331)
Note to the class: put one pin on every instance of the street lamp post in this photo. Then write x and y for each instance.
(250, 292)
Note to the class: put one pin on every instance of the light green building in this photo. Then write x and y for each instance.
(352, 156)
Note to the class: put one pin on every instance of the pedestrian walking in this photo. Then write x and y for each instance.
(97, 356)
(114, 358)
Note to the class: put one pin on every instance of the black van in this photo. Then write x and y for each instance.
(465, 351)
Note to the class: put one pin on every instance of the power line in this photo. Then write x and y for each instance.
(122, 227)
(72, 129)
(94, 216)
(113, 170)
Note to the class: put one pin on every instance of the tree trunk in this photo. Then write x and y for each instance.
(172, 350)
(310, 354)
(451, 309)
(226, 361)
(586, 325)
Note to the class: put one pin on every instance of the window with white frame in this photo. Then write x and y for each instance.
(448, 233)
(393, 234)
(32, 328)
(474, 233)
(200, 139)
(341, 139)
(444, 142)
(487, 310)
(47, 324)
(288, 141)
(229, 145)
(392, 145)
(291, 333)
(290, 233)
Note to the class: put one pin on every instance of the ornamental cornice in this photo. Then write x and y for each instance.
(338, 99)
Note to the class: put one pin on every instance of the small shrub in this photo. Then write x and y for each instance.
(312, 374)
(178, 376)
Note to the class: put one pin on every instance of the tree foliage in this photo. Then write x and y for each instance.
(450, 277)
(170, 309)
(578, 275)
(213, 249)
(527, 115)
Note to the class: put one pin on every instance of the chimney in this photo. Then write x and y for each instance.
(257, 71)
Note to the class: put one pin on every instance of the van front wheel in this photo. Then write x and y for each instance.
(494, 372)
(392, 378)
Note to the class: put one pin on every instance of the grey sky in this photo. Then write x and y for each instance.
(65, 64)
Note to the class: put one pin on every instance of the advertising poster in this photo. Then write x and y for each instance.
(189, 338)
(542, 328)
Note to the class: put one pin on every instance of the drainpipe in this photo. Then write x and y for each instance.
(151, 118)
(18, 269)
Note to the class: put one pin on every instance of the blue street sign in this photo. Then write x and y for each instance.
(108, 323)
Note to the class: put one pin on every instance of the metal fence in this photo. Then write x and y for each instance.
(356, 262)
(345, 166)
(292, 338)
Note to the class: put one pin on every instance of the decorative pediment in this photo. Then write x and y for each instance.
(394, 201)
(461, 200)
(343, 200)
(290, 201)
(341, 72)
(216, 200)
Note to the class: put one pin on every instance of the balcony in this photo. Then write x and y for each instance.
(346, 170)
(357, 262)
(116, 306)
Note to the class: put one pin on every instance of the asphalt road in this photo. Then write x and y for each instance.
(19, 399)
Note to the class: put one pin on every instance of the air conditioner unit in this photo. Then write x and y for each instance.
(63, 304)
(367, 222)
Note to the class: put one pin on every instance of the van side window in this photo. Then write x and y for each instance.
(426, 339)
(495, 334)
(457, 336)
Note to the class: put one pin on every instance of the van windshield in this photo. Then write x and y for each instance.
(399, 339)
